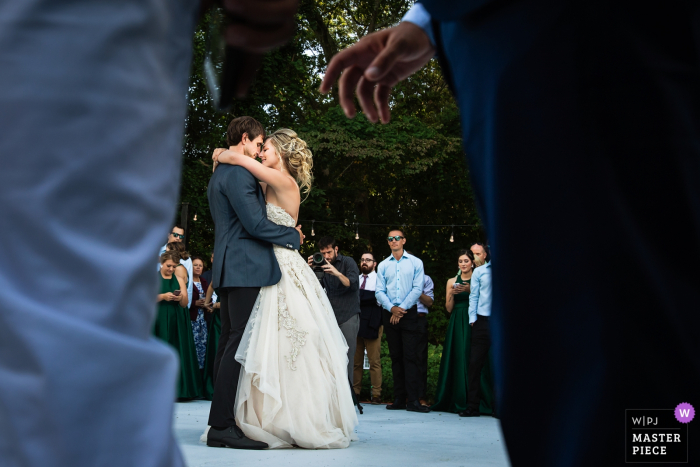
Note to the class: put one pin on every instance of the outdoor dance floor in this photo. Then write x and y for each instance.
(387, 439)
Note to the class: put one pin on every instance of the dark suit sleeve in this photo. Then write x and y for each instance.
(241, 190)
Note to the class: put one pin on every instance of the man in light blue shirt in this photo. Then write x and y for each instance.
(480, 295)
(400, 282)
(479, 313)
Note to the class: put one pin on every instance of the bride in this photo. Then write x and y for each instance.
(293, 388)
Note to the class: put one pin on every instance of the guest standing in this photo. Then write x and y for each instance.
(453, 378)
(399, 285)
(341, 283)
(177, 235)
(184, 269)
(479, 316)
(173, 326)
(370, 334)
(198, 312)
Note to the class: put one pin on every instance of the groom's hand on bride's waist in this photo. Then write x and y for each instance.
(301, 235)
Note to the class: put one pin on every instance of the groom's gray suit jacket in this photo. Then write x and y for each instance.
(243, 235)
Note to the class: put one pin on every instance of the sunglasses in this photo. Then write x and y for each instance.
(394, 238)
(176, 235)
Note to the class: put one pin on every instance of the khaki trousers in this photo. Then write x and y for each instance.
(373, 347)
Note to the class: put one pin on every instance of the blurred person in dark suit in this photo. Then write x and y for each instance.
(579, 119)
(98, 91)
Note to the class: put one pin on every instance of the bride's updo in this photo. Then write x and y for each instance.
(296, 156)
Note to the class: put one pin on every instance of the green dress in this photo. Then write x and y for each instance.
(212, 345)
(451, 395)
(173, 325)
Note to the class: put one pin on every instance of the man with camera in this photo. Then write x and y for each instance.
(339, 276)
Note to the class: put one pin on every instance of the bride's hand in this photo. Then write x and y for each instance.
(215, 157)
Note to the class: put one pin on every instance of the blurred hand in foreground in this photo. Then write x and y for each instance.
(374, 65)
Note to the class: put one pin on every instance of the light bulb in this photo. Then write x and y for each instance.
(357, 236)
(452, 238)
(195, 217)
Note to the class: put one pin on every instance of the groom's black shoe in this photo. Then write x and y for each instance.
(232, 437)
(416, 406)
(397, 405)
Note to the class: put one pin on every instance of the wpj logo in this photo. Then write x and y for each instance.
(657, 435)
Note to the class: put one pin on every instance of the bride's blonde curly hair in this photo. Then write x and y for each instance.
(296, 156)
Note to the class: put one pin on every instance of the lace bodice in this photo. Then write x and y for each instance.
(279, 216)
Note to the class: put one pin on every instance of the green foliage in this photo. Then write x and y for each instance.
(407, 173)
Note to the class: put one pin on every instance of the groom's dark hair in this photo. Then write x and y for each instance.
(240, 125)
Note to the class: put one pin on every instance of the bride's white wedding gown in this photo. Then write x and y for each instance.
(293, 387)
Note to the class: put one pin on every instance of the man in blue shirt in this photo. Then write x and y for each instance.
(479, 313)
(400, 281)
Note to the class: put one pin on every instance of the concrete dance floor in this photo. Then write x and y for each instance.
(387, 439)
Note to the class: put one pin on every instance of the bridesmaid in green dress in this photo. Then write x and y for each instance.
(451, 393)
(212, 344)
(173, 325)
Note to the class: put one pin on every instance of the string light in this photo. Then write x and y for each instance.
(403, 225)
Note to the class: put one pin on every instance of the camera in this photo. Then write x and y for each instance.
(318, 261)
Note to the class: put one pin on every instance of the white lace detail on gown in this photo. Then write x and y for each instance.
(293, 387)
(296, 335)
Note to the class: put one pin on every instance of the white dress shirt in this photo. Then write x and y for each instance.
(371, 284)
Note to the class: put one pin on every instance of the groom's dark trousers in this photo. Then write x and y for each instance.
(236, 306)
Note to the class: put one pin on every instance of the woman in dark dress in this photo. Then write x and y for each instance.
(451, 393)
(173, 325)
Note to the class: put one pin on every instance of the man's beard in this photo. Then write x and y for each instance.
(365, 269)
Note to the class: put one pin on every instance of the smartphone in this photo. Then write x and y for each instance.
(176, 293)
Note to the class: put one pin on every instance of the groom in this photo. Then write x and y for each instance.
(243, 262)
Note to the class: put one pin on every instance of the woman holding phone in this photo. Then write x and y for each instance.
(451, 393)
(173, 325)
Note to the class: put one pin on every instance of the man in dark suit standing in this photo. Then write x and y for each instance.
(244, 261)
(581, 124)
